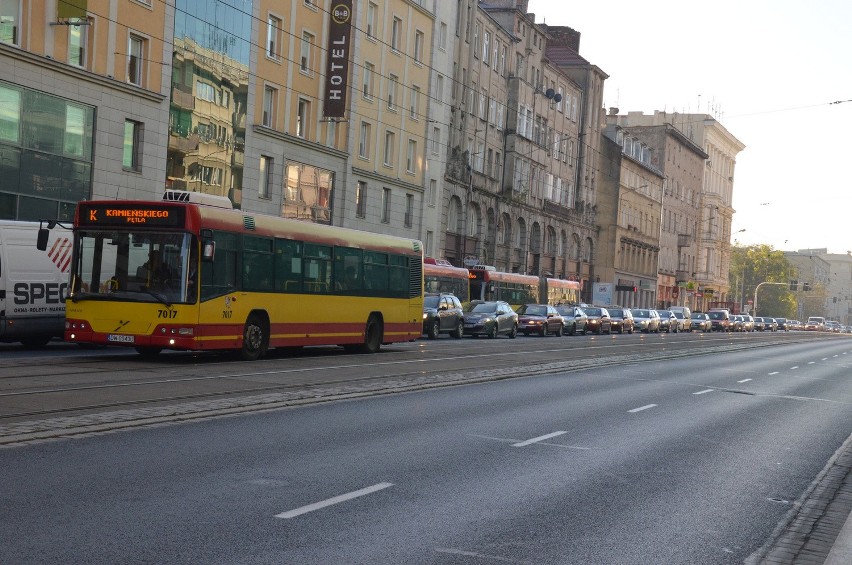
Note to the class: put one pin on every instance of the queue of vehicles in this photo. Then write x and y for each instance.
(497, 317)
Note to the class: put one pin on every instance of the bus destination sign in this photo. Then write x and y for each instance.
(142, 215)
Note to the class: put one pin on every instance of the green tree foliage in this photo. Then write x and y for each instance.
(755, 264)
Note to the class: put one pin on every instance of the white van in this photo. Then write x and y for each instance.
(33, 283)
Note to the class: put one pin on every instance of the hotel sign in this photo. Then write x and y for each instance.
(337, 58)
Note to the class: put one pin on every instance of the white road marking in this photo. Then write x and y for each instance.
(333, 500)
(537, 439)
(811, 362)
(476, 555)
(774, 373)
(794, 367)
(647, 406)
(824, 359)
(744, 381)
(703, 391)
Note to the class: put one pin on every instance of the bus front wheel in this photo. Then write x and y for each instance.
(255, 338)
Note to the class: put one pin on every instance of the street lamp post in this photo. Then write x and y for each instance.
(758, 288)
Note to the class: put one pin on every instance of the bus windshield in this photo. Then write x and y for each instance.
(143, 266)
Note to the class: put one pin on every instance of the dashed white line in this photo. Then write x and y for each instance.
(744, 381)
(774, 373)
(811, 362)
(646, 407)
(703, 391)
(333, 500)
(537, 439)
(794, 367)
(824, 359)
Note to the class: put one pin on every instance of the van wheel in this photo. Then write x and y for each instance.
(372, 336)
(255, 338)
(35, 342)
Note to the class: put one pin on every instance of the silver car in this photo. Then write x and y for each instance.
(699, 322)
(646, 321)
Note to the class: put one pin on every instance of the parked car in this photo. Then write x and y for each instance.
(682, 319)
(574, 317)
(621, 320)
(668, 321)
(442, 313)
(700, 322)
(748, 323)
(491, 318)
(540, 319)
(599, 321)
(720, 320)
(647, 321)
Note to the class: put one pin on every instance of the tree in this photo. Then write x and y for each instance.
(754, 264)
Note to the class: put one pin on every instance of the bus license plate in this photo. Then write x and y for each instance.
(121, 338)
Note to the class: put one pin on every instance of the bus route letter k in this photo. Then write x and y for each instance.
(93, 215)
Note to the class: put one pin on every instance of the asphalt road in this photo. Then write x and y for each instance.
(681, 460)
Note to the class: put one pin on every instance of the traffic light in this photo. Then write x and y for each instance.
(794, 284)
(806, 287)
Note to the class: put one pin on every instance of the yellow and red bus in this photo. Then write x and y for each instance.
(487, 283)
(229, 279)
(439, 275)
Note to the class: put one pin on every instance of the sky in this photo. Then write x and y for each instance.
(769, 71)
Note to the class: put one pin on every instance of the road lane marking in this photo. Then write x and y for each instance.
(703, 391)
(794, 367)
(824, 359)
(744, 381)
(333, 500)
(537, 439)
(811, 362)
(646, 407)
(774, 373)
(476, 555)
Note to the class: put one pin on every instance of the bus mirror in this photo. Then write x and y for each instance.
(41, 240)
(208, 250)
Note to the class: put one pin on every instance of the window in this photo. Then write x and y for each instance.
(486, 48)
(409, 210)
(389, 142)
(364, 141)
(498, 166)
(411, 161)
(270, 101)
(442, 36)
(436, 140)
(396, 34)
(503, 60)
(132, 156)
(393, 82)
(305, 61)
(265, 184)
(414, 103)
(273, 34)
(302, 118)
(10, 21)
(78, 43)
(361, 199)
(386, 205)
(439, 86)
(475, 44)
(483, 96)
(418, 46)
(372, 9)
(433, 189)
(369, 74)
(135, 60)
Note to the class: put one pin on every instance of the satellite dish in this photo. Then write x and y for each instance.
(550, 93)
(557, 98)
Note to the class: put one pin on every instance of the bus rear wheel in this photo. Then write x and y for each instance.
(255, 338)
(373, 335)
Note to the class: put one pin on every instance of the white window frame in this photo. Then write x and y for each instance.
(364, 141)
(372, 9)
(303, 116)
(264, 189)
(307, 53)
(274, 29)
(386, 205)
(369, 78)
(411, 160)
(136, 59)
(390, 141)
(270, 98)
(419, 42)
(396, 33)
